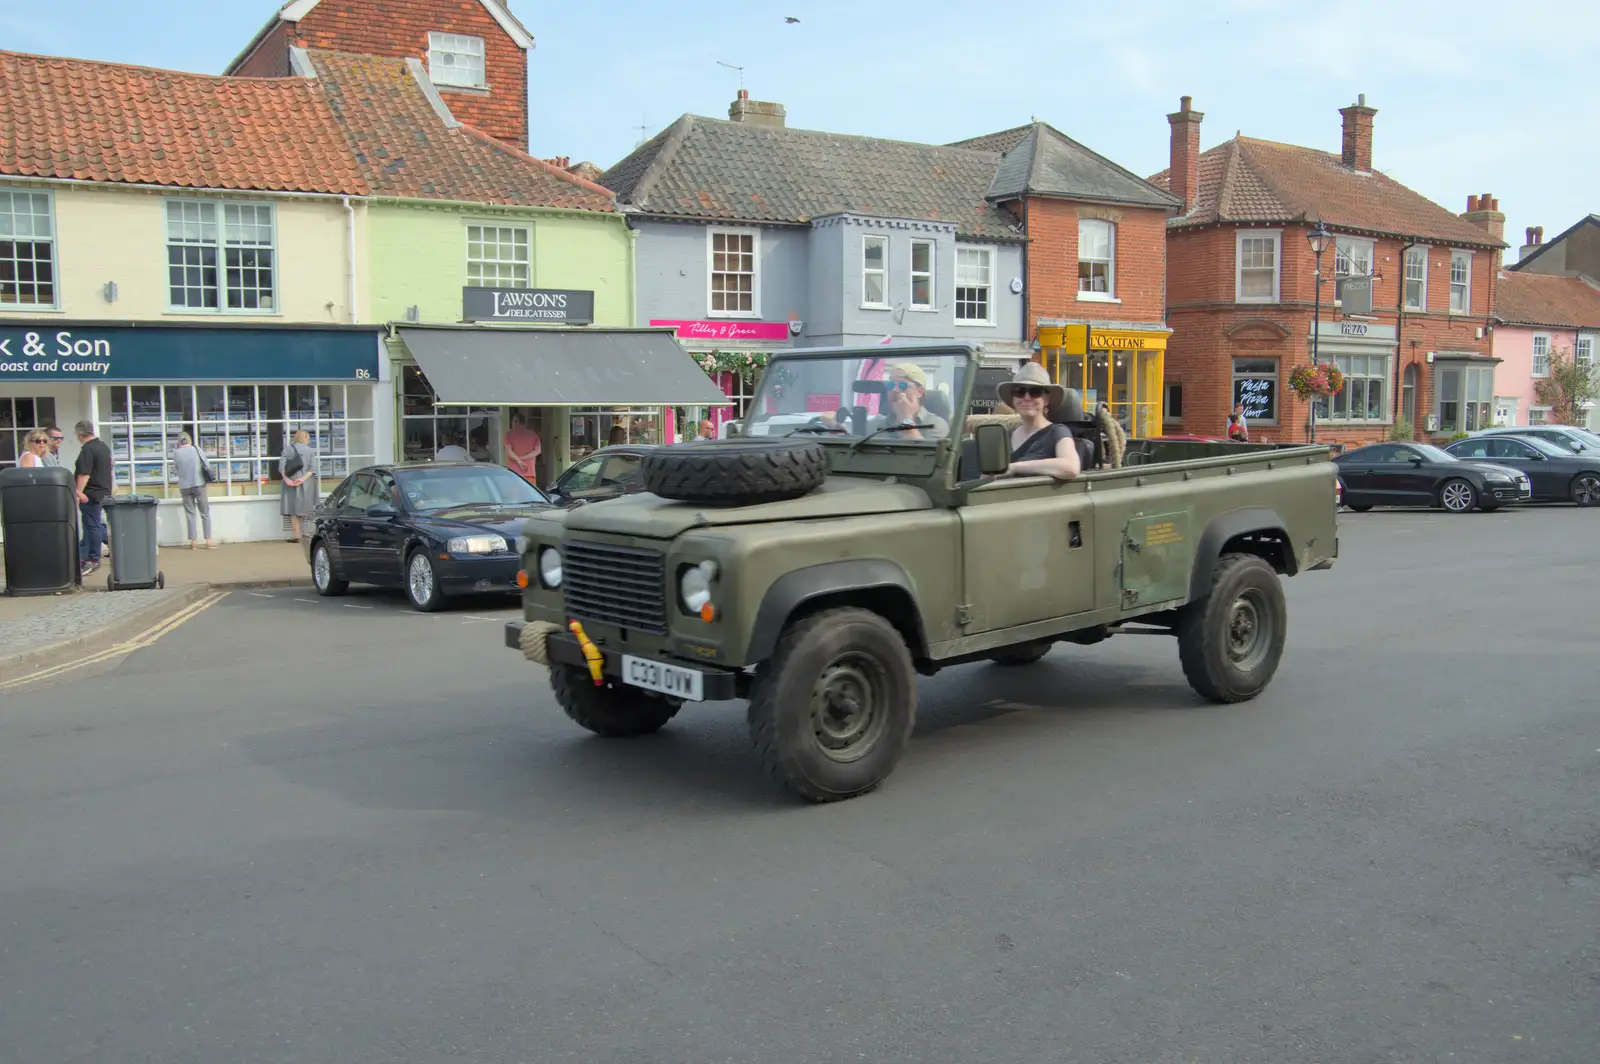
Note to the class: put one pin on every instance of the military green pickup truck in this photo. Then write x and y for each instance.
(819, 561)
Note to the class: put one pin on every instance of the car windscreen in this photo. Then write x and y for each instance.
(908, 398)
(452, 486)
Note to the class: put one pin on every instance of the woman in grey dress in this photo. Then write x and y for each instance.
(300, 490)
(190, 465)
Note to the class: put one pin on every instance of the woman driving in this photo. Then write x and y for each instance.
(1039, 447)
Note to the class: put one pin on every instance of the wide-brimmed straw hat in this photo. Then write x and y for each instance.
(1032, 375)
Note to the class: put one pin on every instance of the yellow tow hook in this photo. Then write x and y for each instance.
(591, 653)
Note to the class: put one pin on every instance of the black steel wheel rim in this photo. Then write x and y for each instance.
(849, 710)
(1250, 630)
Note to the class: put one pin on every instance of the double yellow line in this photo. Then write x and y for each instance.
(144, 639)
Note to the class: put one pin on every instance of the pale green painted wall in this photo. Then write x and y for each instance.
(418, 257)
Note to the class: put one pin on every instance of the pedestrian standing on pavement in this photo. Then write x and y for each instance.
(298, 467)
(1238, 431)
(35, 446)
(52, 457)
(192, 479)
(523, 448)
(93, 472)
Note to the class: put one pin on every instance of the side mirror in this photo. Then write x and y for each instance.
(994, 449)
(1415, 461)
(381, 509)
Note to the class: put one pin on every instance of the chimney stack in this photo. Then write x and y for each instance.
(1484, 212)
(755, 112)
(1535, 237)
(1357, 149)
(1184, 172)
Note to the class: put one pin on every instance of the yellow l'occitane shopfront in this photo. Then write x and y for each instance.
(1120, 367)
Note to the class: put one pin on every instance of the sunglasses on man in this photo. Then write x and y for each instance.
(901, 386)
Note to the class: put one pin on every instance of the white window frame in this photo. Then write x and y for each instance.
(1276, 236)
(1583, 350)
(55, 258)
(1110, 294)
(1469, 372)
(1466, 293)
(1327, 405)
(221, 245)
(1405, 274)
(440, 44)
(1541, 355)
(1349, 250)
(484, 226)
(1538, 415)
(882, 271)
(991, 259)
(755, 270)
(931, 275)
(1235, 376)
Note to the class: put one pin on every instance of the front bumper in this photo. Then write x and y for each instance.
(720, 685)
(464, 574)
(1520, 491)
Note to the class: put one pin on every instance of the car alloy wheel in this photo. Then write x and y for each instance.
(1458, 497)
(321, 568)
(1586, 489)
(421, 584)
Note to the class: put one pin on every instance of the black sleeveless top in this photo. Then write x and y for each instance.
(1041, 444)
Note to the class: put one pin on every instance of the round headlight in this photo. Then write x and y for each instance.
(694, 586)
(550, 567)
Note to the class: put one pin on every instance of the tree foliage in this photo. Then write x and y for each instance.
(1569, 389)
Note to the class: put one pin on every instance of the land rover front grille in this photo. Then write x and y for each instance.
(621, 586)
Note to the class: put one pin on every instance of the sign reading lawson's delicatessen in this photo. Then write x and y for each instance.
(551, 306)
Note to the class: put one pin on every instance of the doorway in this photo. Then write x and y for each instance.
(1408, 397)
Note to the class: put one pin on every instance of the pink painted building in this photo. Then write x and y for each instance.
(1535, 316)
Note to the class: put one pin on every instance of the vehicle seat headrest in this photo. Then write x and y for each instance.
(1070, 408)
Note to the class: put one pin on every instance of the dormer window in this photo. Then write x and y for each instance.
(456, 60)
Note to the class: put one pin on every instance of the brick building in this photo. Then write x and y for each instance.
(476, 51)
(1242, 285)
(1095, 266)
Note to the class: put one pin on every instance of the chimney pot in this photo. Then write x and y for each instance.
(1484, 211)
(1184, 170)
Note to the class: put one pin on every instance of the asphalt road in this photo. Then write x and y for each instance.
(325, 831)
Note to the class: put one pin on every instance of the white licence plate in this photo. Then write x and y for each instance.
(686, 684)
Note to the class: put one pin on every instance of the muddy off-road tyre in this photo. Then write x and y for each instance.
(832, 711)
(613, 710)
(736, 472)
(1230, 642)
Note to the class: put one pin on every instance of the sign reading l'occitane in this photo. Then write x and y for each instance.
(1081, 339)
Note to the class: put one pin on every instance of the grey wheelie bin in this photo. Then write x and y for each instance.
(39, 509)
(131, 524)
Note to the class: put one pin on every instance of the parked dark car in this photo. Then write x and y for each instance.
(1567, 437)
(432, 528)
(1557, 474)
(605, 474)
(1419, 474)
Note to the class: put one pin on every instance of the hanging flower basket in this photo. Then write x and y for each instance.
(1323, 378)
(746, 364)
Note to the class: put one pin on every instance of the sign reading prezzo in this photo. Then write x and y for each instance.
(552, 306)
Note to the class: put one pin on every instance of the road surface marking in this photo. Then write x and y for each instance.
(261, 594)
(353, 606)
(305, 600)
(146, 638)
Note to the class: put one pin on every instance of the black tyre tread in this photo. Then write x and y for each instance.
(612, 711)
(763, 719)
(1026, 654)
(1359, 508)
(336, 587)
(1199, 648)
(1477, 496)
(736, 471)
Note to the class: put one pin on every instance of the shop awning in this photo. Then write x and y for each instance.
(548, 367)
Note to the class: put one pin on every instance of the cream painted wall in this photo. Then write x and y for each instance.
(419, 258)
(111, 234)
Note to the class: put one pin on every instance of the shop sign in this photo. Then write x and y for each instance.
(1258, 396)
(551, 306)
(158, 353)
(726, 330)
(1081, 339)
(985, 399)
(1355, 295)
(1355, 330)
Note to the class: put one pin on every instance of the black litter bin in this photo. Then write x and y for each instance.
(131, 526)
(39, 511)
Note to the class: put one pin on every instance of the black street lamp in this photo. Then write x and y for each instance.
(1318, 238)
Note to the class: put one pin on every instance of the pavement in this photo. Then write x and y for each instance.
(305, 830)
(37, 629)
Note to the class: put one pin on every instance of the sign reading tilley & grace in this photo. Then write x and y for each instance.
(553, 306)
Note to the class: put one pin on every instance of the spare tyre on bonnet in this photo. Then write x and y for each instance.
(736, 472)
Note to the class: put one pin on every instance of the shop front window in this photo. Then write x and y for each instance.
(1255, 386)
(1129, 382)
(240, 428)
(593, 429)
(18, 417)
(1465, 397)
(1365, 391)
(427, 428)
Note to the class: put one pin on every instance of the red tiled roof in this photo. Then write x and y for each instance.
(1543, 299)
(405, 148)
(89, 121)
(1248, 180)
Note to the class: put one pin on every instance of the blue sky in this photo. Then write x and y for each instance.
(1472, 97)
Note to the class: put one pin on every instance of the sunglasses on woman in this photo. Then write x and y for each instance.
(1030, 392)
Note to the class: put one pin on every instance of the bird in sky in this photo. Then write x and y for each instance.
(790, 19)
